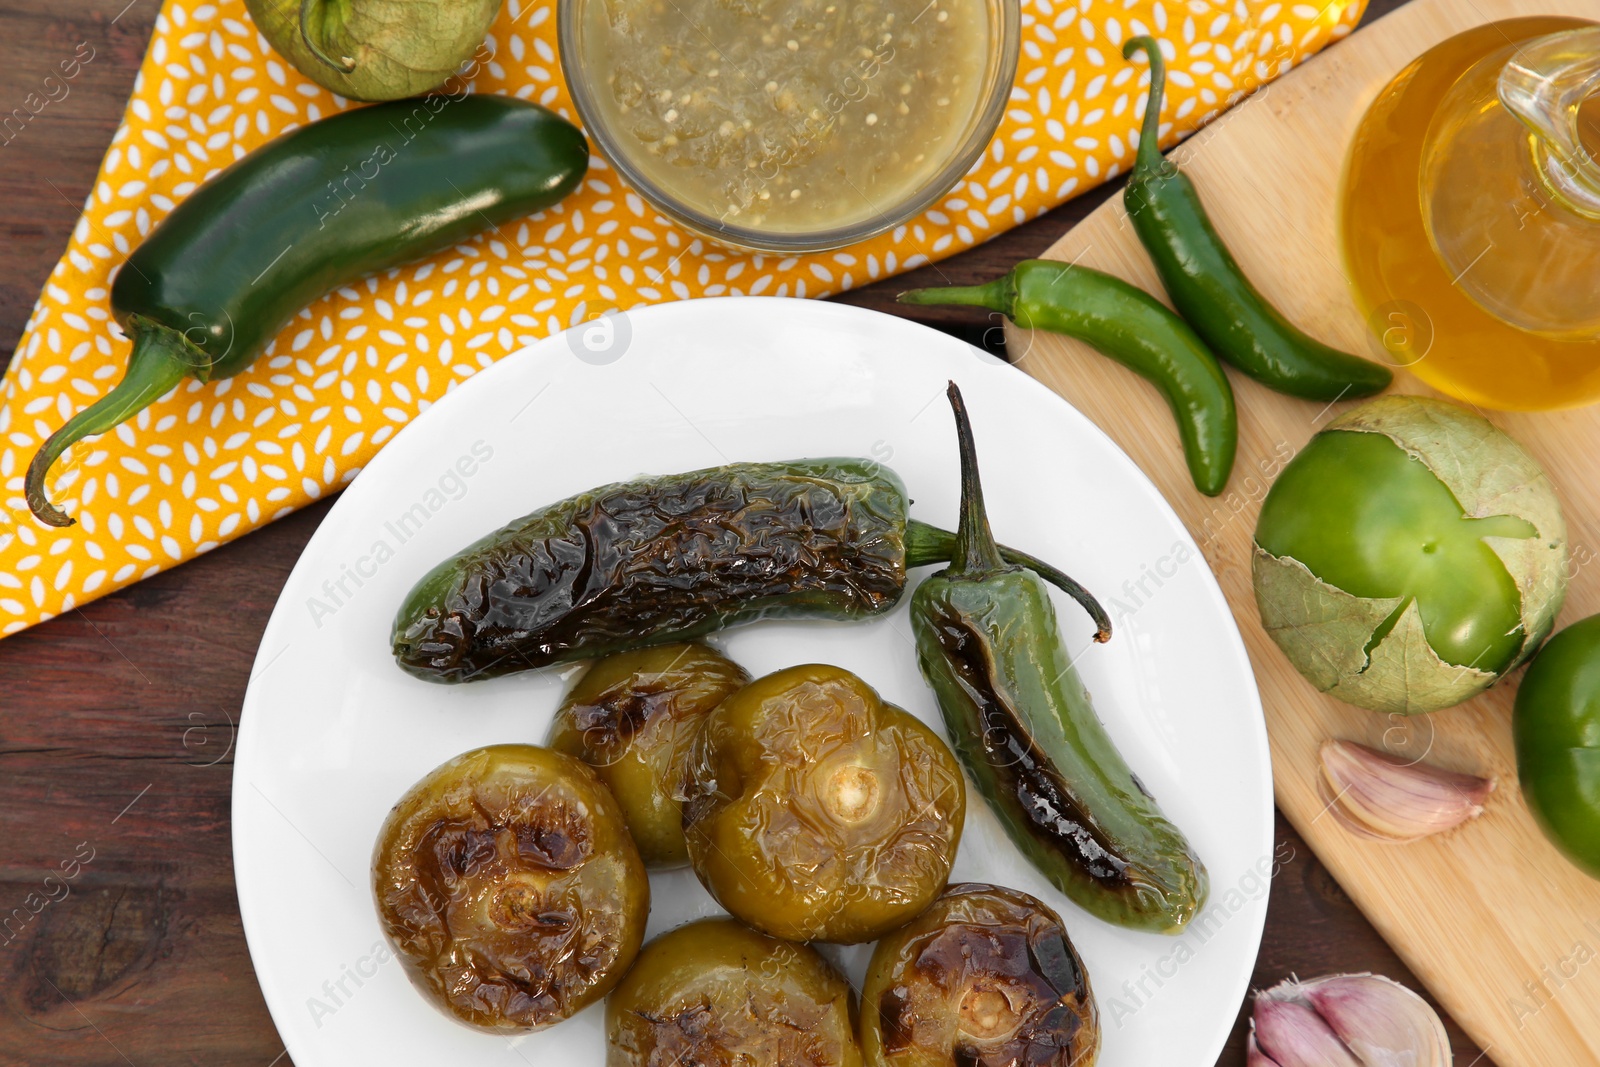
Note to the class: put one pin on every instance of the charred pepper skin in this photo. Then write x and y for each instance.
(1023, 725)
(360, 191)
(986, 977)
(1209, 288)
(672, 558)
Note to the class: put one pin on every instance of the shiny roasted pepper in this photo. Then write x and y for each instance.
(672, 558)
(1210, 289)
(817, 812)
(634, 718)
(1023, 724)
(716, 993)
(509, 887)
(320, 206)
(986, 977)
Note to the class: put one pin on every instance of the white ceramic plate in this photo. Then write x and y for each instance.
(333, 732)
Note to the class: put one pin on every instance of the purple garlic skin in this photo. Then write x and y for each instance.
(1345, 1020)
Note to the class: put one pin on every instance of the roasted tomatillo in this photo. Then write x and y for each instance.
(716, 993)
(634, 718)
(1410, 555)
(817, 812)
(986, 977)
(1556, 727)
(508, 886)
(1022, 723)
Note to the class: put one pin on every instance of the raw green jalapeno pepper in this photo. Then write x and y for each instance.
(673, 558)
(1556, 727)
(1210, 290)
(1023, 724)
(359, 192)
(1132, 327)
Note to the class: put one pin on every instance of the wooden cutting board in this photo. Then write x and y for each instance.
(1502, 929)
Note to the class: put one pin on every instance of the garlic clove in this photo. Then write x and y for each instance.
(1383, 1023)
(1254, 1057)
(1394, 800)
(1295, 1036)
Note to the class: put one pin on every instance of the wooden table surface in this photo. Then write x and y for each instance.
(117, 720)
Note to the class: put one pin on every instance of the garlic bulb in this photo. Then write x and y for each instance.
(1387, 798)
(1345, 1020)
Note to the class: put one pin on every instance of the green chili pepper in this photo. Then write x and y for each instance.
(675, 557)
(359, 192)
(1132, 327)
(1210, 290)
(1023, 724)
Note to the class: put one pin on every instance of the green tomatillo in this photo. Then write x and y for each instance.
(1409, 556)
(1557, 732)
(378, 49)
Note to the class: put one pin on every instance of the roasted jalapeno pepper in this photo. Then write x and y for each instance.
(1207, 285)
(817, 812)
(672, 558)
(634, 718)
(986, 977)
(509, 888)
(1132, 327)
(1023, 725)
(358, 192)
(716, 993)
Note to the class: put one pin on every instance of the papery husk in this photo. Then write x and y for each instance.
(1378, 1021)
(1324, 631)
(393, 48)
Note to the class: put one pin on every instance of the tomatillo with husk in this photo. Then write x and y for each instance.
(377, 49)
(1409, 556)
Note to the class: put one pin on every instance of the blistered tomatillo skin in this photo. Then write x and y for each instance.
(1365, 517)
(1556, 727)
(817, 811)
(634, 718)
(986, 977)
(509, 887)
(716, 993)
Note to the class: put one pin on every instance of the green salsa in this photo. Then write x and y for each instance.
(788, 116)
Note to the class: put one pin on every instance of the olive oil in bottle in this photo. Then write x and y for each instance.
(1473, 272)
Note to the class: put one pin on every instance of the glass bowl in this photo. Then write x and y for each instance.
(837, 109)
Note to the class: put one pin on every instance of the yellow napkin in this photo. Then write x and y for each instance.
(210, 462)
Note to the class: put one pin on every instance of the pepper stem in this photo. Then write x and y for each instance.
(1149, 157)
(976, 551)
(927, 545)
(161, 359)
(999, 295)
(344, 64)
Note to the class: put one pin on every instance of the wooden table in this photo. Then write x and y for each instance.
(117, 720)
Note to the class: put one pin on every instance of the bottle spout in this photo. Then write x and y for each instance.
(1545, 85)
